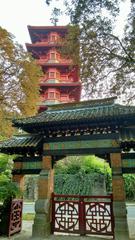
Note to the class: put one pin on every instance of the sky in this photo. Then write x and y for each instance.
(15, 15)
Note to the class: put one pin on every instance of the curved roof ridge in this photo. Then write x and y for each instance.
(103, 109)
(46, 27)
(66, 106)
(97, 102)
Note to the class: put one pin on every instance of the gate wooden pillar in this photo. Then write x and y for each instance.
(42, 221)
(119, 206)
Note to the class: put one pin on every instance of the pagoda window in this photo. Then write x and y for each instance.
(53, 37)
(51, 74)
(52, 56)
(51, 95)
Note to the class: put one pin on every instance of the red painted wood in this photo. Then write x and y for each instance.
(83, 214)
(15, 223)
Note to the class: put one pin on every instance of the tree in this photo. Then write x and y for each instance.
(55, 16)
(107, 62)
(19, 77)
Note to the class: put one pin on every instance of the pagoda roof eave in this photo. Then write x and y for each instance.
(91, 113)
(56, 64)
(72, 124)
(39, 45)
(45, 29)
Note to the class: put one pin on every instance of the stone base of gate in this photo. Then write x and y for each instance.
(121, 226)
(42, 226)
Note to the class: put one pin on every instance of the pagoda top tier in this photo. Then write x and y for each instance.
(38, 32)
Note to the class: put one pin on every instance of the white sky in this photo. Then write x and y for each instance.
(15, 15)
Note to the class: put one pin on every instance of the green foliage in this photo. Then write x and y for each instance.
(71, 46)
(19, 77)
(8, 189)
(5, 165)
(130, 186)
(55, 16)
(79, 183)
(107, 60)
(73, 173)
(84, 165)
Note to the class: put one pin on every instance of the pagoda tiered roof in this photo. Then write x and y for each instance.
(60, 84)
(36, 31)
(40, 45)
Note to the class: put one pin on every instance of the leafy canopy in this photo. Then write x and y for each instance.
(84, 164)
(107, 62)
(19, 75)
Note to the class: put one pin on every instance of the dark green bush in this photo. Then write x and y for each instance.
(82, 166)
(130, 186)
(8, 189)
(79, 183)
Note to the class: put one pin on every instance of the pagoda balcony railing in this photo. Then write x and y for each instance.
(66, 79)
(49, 42)
(44, 101)
(45, 61)
(49, 102)
(57, 80)
(49, 80)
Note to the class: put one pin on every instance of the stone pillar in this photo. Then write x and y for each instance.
(119, 206)
(19, 180)
(42, 221)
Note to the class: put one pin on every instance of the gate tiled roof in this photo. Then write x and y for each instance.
(22, 141)
(95, 111)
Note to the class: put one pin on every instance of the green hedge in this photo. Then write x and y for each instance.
(8, 189)
(130, 186)
(79, 183)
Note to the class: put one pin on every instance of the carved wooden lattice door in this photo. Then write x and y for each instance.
(83, 214)
(15, 223)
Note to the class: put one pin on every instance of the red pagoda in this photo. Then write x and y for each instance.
(60, 82)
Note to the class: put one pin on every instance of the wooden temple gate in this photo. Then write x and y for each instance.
(83, 215)
(99, 127)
